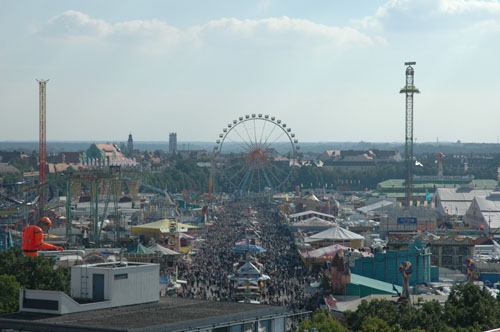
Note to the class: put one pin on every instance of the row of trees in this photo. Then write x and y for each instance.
(468, 308)
(18, 271)
(185, 174)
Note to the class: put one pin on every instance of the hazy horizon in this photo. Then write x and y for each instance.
(305, 147)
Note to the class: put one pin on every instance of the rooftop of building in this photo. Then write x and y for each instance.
(444, 182)
(6, 168)
(169, 314)
(375, 284)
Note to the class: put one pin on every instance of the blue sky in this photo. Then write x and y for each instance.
(331, 69)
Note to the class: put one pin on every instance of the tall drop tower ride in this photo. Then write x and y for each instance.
(42, 151)
(409, 90)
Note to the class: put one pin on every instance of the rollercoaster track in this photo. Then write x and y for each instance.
(2, 198)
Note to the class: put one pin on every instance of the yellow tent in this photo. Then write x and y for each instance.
(159, 228)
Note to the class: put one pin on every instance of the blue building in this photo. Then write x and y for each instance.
(385, 266)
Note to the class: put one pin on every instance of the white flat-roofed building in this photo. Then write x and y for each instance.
(98, 286)
(120, 283)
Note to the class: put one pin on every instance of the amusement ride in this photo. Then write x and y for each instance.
(255, 153)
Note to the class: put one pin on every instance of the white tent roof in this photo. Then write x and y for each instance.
(375, 206)
(460, 194)
(164, 251)
(489, 207)
(456, 201)
(305, 213)
(314, 221)
(335, 233)
(489, 203)
(311, 197)
(248, 269)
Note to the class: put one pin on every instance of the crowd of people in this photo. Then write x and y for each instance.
(207, 273)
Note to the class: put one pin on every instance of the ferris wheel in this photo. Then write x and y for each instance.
(255, 153)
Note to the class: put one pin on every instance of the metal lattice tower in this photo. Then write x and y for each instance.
(42, 151)
(409, 90)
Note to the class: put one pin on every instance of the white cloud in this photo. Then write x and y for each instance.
(75, 24)
(270, 29)
(485, 27)
(155, 35)
(375, 22)
(76, 27)
(420, 15)
(462, 6)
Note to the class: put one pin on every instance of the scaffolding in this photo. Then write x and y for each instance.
(98, 182)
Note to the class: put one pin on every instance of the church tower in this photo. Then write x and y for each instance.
(130, 145)
(172, 143)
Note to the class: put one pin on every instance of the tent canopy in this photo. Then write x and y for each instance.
(311, 197)
(139, 249)
(305, 214)
(314, 221)
(160, 227)
(164, 251)
(248, 269)
(335, 233)
(325, 252)
(250, 272)
(248, 247)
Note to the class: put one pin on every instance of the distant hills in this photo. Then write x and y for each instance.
(305, 147)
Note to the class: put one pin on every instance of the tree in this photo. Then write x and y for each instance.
(374, 324)
(468, 308)
(9, 293)
(184, 175)
(323, 323)
(469, 305)
(380, 308)
(22, 164)
(9, 178)
(30, 272)
(430, 317)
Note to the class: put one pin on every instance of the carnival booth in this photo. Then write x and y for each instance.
(317, 258)
(168, 256)
(161, 228)
(141, 254)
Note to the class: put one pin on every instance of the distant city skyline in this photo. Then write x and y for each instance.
(331, 69)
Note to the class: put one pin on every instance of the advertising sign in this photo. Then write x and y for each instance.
(407, 220)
